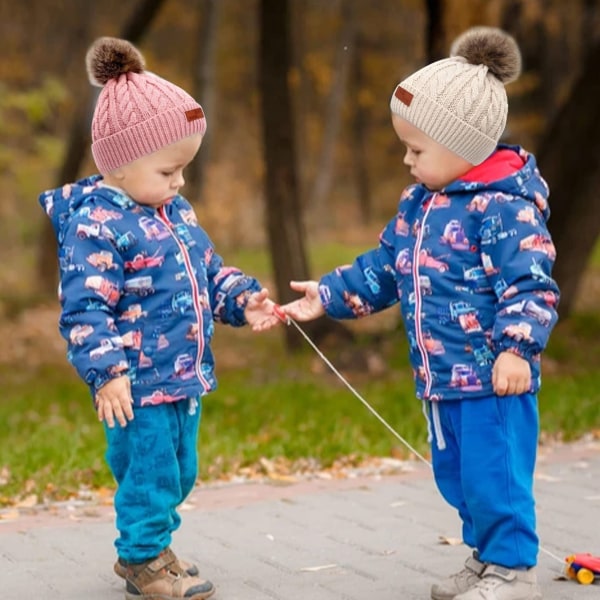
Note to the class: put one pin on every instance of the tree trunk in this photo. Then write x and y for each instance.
(205, 91)
(359, 143)
(569, 159)
(435, 35)
(300, 92)
(284, 214)
(333, 112)
(78, 144)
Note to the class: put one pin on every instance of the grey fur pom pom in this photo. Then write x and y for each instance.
(109, 57)
(492, 47)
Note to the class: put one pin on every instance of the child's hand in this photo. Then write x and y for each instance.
(511, 375)
(113, 400)
(260, 311)
(307, 308)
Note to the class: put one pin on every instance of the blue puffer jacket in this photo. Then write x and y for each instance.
(140, 290)
(471, 267)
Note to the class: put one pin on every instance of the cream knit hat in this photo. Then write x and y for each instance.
(460, 102)
(137, 112)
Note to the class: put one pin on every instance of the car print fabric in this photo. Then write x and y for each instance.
(140, 290)
(470, 266)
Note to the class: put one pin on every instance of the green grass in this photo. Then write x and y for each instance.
(273, 406)
(53, 444)
(322, 257)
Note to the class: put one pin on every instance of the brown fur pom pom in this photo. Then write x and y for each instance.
(110, 57)
(491, 47)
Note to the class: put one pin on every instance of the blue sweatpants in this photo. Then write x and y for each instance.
(486, 472)
(154, 460)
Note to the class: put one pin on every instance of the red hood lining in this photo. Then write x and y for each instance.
(500, 164)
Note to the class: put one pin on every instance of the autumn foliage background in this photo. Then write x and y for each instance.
(338, 89)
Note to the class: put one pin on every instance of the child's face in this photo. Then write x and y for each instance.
(155, 178)
(430, 163)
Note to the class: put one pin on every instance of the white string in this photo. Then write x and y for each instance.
(289, 320)
(551, 555)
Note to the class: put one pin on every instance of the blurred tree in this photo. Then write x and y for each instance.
(569, 158)
(359, 133)
(344, 51)
(284, 214)
(204, 88)
(78, 141)
(435, 38)
(300, 92)
(555, 108)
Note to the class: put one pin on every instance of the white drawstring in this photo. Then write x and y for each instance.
(437, 426)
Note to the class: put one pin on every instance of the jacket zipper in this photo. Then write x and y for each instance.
(195, 296)
(419, 301)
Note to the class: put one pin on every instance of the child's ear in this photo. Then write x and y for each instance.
(118, 174)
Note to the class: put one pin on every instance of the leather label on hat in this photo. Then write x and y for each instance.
(403, 95)
(195, 113)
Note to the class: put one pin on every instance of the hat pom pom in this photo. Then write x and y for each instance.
(491, 47)
(108, 58)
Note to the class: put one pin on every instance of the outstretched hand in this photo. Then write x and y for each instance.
(309, 306)
(260, 311)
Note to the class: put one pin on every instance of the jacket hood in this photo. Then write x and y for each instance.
(62, 203)
(525, 182)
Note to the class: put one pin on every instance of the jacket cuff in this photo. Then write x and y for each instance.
(99, 378)
(527, 351)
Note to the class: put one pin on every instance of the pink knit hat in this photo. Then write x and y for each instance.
(137, 112)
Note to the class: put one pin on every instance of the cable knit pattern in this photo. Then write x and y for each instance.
(459, 104)
(139, 113)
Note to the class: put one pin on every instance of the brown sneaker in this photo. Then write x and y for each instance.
(162, 577)
(120, 568)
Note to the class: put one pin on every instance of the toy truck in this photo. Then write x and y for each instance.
(585, 568)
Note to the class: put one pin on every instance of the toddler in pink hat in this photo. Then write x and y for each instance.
(141, 288)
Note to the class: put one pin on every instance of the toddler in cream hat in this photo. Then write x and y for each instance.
(468, 258)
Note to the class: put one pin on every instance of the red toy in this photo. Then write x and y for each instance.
(585, 568)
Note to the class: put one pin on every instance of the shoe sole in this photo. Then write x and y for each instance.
(200, 596)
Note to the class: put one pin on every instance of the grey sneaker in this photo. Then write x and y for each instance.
(500, 583)
(462, 581)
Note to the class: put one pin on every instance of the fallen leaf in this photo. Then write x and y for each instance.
(319, 568)
(4, 475)
(28, 502)
(275, 477)
(450, 541)
(9, 515)
(544, 477)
